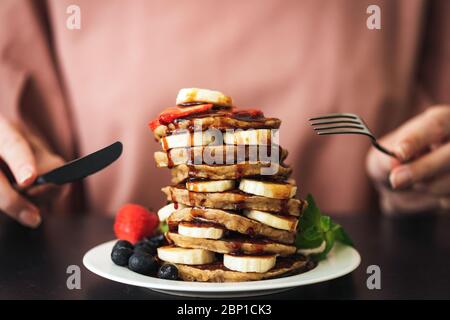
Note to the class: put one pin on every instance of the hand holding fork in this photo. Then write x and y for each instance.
(415, 174)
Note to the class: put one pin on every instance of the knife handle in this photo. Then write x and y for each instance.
(39, 180)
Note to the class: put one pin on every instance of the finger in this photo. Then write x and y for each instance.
(439, 186)
(416, 135)
(444, 203)
(379, 165)
(16, 206)
(17, 154)
(395, 202)
(45, 159)
(428, 166)
(46, 199)
(37, 191)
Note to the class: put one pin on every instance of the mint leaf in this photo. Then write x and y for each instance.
(309, 234)
(312, 214)
(325, 223)
(312, 237)
(343, 237)
(312, 233)
(301, 242)
(315, 228)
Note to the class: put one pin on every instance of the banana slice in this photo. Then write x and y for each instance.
(316, 250)
(210, 186)
(205, 231)
(167, 210)
(248, 137)
(187, 139)
(272, 220)
(185, 256)
(268, 189)
(215, 137)
(259, 264)
(192, 95)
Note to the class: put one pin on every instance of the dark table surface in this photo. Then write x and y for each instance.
(413, 254)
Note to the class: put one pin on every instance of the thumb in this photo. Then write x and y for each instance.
(379, 165)
(46, 159)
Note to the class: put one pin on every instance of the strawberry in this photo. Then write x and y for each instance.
(134, 222)
(170, 114)
(154, 124)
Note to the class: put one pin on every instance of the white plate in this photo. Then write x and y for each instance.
(340, 261)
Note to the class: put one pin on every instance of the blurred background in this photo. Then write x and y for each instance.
(82, 88)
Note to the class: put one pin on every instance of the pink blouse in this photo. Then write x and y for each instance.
(83, 89)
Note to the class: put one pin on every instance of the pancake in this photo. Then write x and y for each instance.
(216, 272)
(233, 200)
(214, 155)
(231, 245)
(220, 120)
(234, 171)
(232, 221)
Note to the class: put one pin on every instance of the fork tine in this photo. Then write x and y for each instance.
(345, 123)
(326, 121)
(338, 127)
(324, 133)
(335, 115)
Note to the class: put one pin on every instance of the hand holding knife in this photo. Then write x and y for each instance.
(69, 172)
(82, 167)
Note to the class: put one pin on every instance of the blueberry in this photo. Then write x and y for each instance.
(123, 243)
(144, 247)
(168, 272)
(121, 255)
(143, 263)
(155, 241)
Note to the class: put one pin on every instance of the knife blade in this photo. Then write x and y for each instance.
(82, 167)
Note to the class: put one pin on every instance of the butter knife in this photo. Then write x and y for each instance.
(82, 167)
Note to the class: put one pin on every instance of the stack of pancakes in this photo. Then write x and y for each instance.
(232, 211)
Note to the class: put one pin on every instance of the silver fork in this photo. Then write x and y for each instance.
(345, 123)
